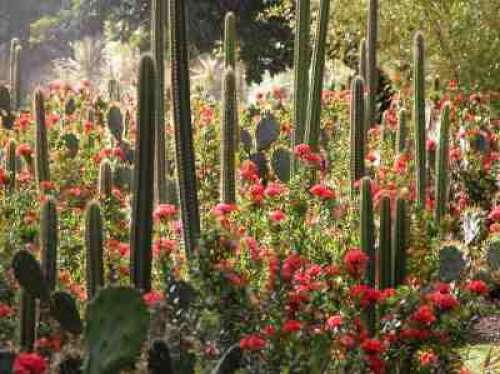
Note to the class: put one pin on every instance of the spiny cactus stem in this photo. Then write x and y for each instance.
(419, 118)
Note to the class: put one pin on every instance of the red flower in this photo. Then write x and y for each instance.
(253, 342)
(274, 189)
(152, 298)
(430, 145)
(4, 178)
(302, 150)
(372, 346)
(257, 193)
(427, 358)
(163, 247)
(291, 264)
(334, 322)
(24, 150)
(222, 209)
(347, 341)
(164, 211)
(291, 326)
(495, 214)
(478, 287)
(424, 315)
(5, 311)
(269, 330)
(365, 295)
(30, 363)
(249, 171)
(277, 216)
(322, 192)
(443, 301)
(356, 261)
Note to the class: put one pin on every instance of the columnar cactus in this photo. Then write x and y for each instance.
(27, 321)
(105, 183)
(367, 236)
(42, 169)
(318, 64)
(49, 241)
(114, 90)
(142, 203)
(362, 59)
(401, 132)
(158, 48)
(11, 164)
(94, 243)
(16, 83)
(185, 157)
(301, 70)
(230, 41)
(13, 44)
(371, 68)
(400, 242)
(441, 189)
(419, 118)
(357, 131)
(385, 251)
(229, 133)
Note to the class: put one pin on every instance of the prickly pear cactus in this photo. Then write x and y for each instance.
(115, 122)
(266, 133)
(64, 310)
(117, 326)
(493, 254)
(451, 263)
(281, 163)
(29, 274)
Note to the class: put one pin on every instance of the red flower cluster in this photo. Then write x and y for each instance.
(253, 342)
(424, 315)
(6, 311)
(164, 212)
(365, 295)
(322, 191)
(30, 363)
(305, 154)
(478, 287)
(355, 261)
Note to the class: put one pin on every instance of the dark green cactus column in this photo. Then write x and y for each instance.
(362, 59)
(16, 83)
(401, 133)
(442, 165)
(49, 241)
(385, 250)
(419, 118)
(357, 131)
(301, 70)
(372, 68)
(105, 185)
(27, 321)
(11, 163)
(228, 151)
(185, 157)
(400, 242)
(114, 90)
(12, 71)
(94, 243)
(230, 41)
(141, 229)
(41, 144)
(368, 245)
(313, 123)
(158, 48)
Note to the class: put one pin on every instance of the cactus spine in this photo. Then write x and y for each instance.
(401, 133)
(301, 70)
(142, 203)
(11, 164)
(442, 165)
(94, 243)
(318, 65)
(105, 179)
(158, 48)
(41, 144)
(362, 59)
(357, 131)
(371, 62)
(419, 118)
(27, 321)
(16, 83)
(399, 243)
(367, 244)
(48, 241)
(385, 254)
(228, 151)
(230, 41)
(185, 157)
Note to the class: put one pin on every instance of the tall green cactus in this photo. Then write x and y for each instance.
(371, 61)
(230, 41)
(185, 157)
(105, 182)
(114, 90)
(94, 243)
(229, 130)
(301, 71)
(16, 87)
(401, 132)
(385, 250)
(42, 169)
(313, 124)
(367, 236)
(419, 117)
(141, 229)
(158, 49)
(441, 189)
(11, 164)
(362, 59)
(357, 131)
(12, 71)
(27, 321)
(400, 242)
(49, 241)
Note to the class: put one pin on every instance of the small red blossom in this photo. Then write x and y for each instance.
(30, 363)
(277, 216)
(322, 192)
(427, 358)
(152, 298)
(6, 311)
(222, 209)
(291, 326)
(356, 261)
(253, 342)
(477, 287)
(249, 171)
(334, 322)
(424, 315)
(164, 212)
(372, 346)
(443, 301)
